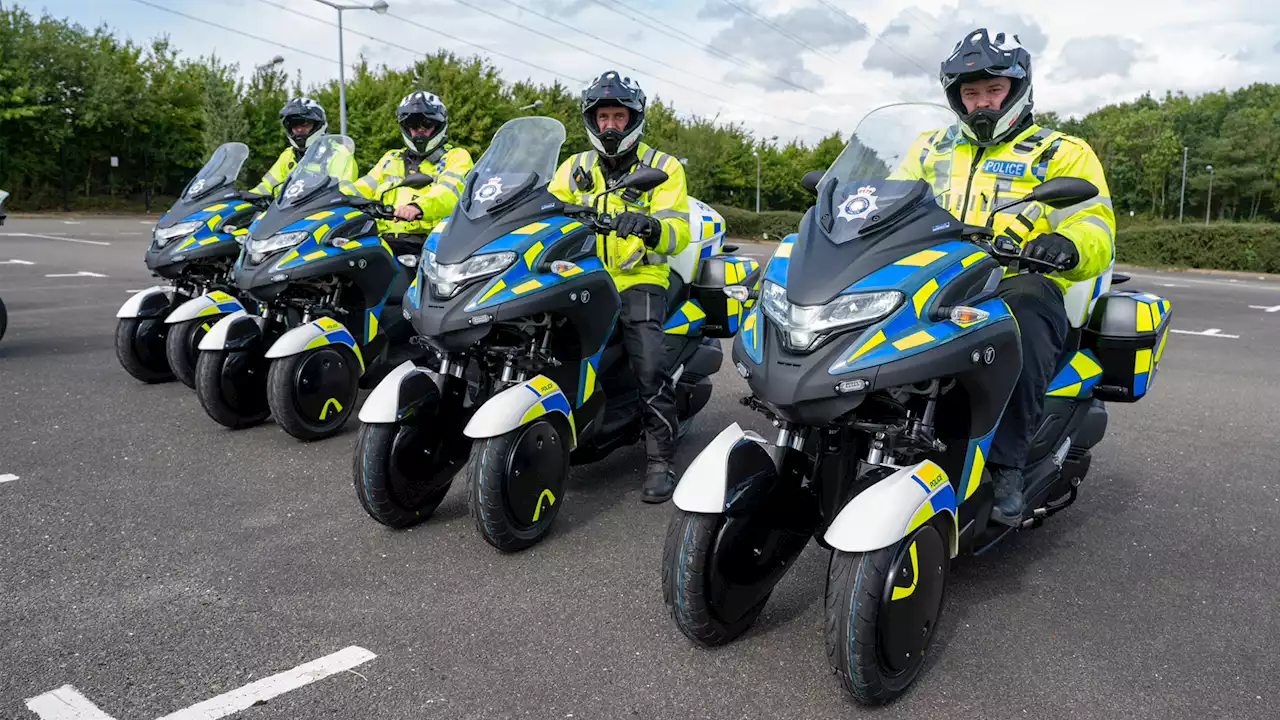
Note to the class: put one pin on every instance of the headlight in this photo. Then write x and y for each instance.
(275, 242)
(446, 280)
(182, 229)
(804, 325)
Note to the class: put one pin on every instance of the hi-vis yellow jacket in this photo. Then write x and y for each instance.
(436, 201)
(669, 203)
(275, 177)
(972, 180)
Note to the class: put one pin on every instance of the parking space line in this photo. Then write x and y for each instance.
(55, 237)
(1274, 308)
(1211, 332)
(8, 477)
(78, 273)
(65, 703)
(15, 262)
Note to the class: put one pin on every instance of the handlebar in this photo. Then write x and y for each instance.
(1009, 254)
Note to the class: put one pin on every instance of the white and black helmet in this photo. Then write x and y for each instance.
(976, 57)
(611, 89)
(421, 110)
(300, 110)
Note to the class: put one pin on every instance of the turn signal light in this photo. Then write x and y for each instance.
(738, 292)
(965, 315)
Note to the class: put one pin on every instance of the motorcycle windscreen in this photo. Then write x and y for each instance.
(214, 181)
(324, 177)
(523, 154)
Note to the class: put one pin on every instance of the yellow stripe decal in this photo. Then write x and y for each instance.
(591, 383)
(526, 287)
(1085, 367)
(351, 245)
(784, 250)
(320, 232)
(1068, 391)
(922, 258)
(570, 227)
(1144, 318)
(921, 517)
(693, 312)
(214, 208)
(1160, 350)
(213, 222)
(868, 346)
(923, 294)
(973, 258)
(316, 342)
(538, 510)
(1142, 361)
(913, 340)
(497, 288)
(532, 254)
(315, 255)
(902, 592)
(320, 215)
(351, 214)
(530, 229)
(975, 475)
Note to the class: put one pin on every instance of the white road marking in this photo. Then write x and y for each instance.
(1274, 308)
(1171, 285)
(81, 273)
(15, 262)
(8, 477)
(55, 237)
(1235, 284)
(70, 222)
(66, 703)
(146, 222)
(1211, 332)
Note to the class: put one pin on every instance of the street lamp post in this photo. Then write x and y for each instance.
(1209, 203)
(277, 60)
(379, 7)
(534, 104)
(756, 153)
(1182, 194)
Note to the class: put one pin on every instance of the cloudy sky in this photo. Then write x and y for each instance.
(791, 68)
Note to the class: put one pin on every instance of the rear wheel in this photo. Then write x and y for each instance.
(312, 394)
(232, 387)
(517, 485)
(398, 473)
(882, 610)
(182, 347)
(140, 344)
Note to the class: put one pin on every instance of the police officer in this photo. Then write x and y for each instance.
(635, 252)
(304, 121)
(1000, 153)
(424, 126)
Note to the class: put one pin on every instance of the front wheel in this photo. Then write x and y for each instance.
(232, 387)
(882, 609)
(517, 485)
(401, 472)
(4, 319)
(140, 344)
(312, 394)
(182, 348)
(687, 585)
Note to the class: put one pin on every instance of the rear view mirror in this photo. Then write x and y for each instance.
(417, 180)
(811, 179)
(643, 179)
(3, 195)
(1061, 192)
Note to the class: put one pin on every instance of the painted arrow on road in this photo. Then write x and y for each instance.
(82, 273)
(15, 262)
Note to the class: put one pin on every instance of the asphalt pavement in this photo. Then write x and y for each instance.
(153, 560)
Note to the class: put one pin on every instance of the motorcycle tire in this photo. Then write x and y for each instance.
(4, 319)
(181, 347)
(312, 394)
(143, 358)
(686, 559)
(516, 487)
(393, 476)
(882, 611)
(234, 410)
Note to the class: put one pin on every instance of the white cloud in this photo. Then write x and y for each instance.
(850, 61)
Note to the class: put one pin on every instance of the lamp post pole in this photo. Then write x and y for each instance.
(379, 7)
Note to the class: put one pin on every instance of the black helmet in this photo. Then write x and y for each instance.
(423, 110)
(977, 57)
(609, 89)
(297, 111)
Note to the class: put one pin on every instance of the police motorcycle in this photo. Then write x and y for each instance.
(4, 314)
(884, 358)
(322, 317)
(521, 316)
(193, 246)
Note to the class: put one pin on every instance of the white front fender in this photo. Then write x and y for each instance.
(704, 486)
(891, 509)
(216, 338)
(214, 303)
(317, 333)
(518, 405)
(384, 404)
(146, 303)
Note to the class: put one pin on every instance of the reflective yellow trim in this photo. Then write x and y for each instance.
(538, 510)
(750, 322)
(902, 592)
(868, 346)
(316, 342)
(208, 241)
(693, 312)
(734, 307)
(913, 340)
(387, 247)
(931, 475)
(534, 412)
(373, 326)
(351, 214)
(923, 294)
(293, 255)
(922, 258)
(187, 243)
(570, 227)
(532, 254)
(324, 411)
(679, 330)
(526, 287)
(211, 310)
(543, 385)
(320, 215)
(1084, 366)
(1068, 391)
(1160, 350)
(975, 474)
(731, 274)
(497, 288)
(351, 245)
(591, 383)
(319, 232)
(573, 270)
(530, 229)
(212, 224)
(1144, 318)
(220, 296)
(328, 324)
(1155, 315)
(973, 258)
(315, 255)
(921, 517)
(1142, 361)
(214, 208)
(784, 250)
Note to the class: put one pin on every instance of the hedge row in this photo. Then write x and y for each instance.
(747, 225)
(1250, 247)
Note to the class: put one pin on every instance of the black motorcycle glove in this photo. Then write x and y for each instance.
(642, 226)
(1053, 248)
